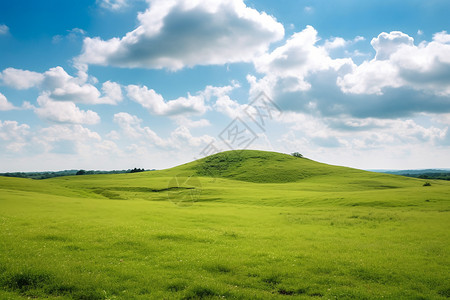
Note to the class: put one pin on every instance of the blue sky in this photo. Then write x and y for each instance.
(118, 84)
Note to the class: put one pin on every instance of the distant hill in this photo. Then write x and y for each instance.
(442, 174)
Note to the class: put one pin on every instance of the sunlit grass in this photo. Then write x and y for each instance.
(336, 232)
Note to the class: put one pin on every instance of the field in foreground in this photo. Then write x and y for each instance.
(247, 225)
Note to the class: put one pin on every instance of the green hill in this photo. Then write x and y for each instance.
(267, 167)
(260, 166)
(238, 224)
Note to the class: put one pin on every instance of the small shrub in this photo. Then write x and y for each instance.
(296, 154)
(427, 184)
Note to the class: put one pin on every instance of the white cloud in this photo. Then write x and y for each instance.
(223, 103)
(64, 87)
(309, 9)
(72, 35)
(113, 4)
(216, 92)
(371, 78)
(131, 126)
(358, 134)
(180, 138)
(358, 39)
(335, 43)
(298, 58)
(229, 107)
(112, 91)
(188, 123)
(189, 105)
(442, 37)
(14, 137)
(4, 104)
(388, 43)
(4, 29)
(68, 139)
(58, 85)
(403, 78)
(68, 132)
(20, 79)
(400, 63)
(113, 135)
(156, 104)
(182, 33)
(64, 112)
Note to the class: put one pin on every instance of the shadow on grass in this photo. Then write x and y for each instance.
(35, 284)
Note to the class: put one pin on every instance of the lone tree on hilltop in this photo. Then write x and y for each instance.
(296, 154)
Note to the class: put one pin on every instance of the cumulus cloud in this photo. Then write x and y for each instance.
(58, 85)
(131, 126)
(401, 80)
(442, 37)
(182, 33)
(178, 139)
(229, 107)
(222, 100)
(360, 134)
(298, 58)
(182, 136)
(388, 43)
(191, 105)
(63, 87)
(69, 132)
(400, 63)
(20, 79)
(156, 104)
(64, 112)
(4, 29)
(211, 92)
(14, 137)
(112, 91)
(4, 104)
(188, 123)
(68, 139)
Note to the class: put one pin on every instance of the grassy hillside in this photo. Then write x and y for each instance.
(239, 225)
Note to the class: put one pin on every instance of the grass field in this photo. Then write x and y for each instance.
(237, 225)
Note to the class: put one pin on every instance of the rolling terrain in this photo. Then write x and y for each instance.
(238, 225)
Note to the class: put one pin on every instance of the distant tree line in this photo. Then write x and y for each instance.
(50, 174)
(442, 176)
(423, 174)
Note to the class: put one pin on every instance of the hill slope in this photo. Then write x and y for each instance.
(261, 167)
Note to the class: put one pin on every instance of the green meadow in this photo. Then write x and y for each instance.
(235, 225)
